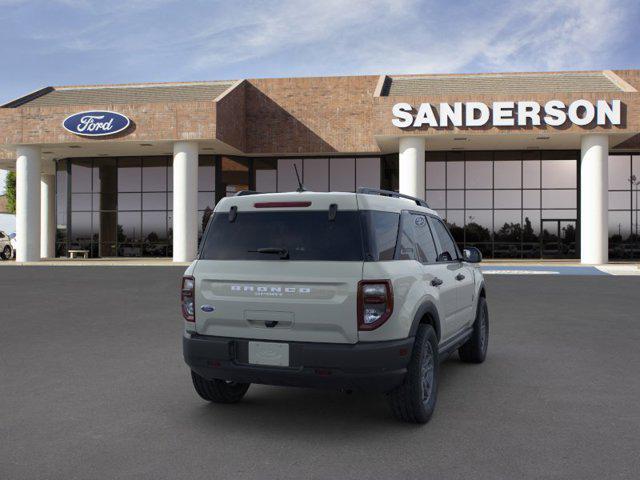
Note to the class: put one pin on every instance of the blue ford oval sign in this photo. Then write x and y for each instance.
(96, 123)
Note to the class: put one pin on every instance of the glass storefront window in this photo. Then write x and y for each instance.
(507, 199)
(154, 174)
(154, 227)
(559, 174)
(507, 174)
(437, 199)
(455, 174)
(478, 174)
(129, 201)
(81, 202)
(368, 172)
(205, 200)
(129, 174)
(455, 199)
(287, 181)
(478, 199)
(316, 174)
(436, 175)
(501, 195)
(455, 221)
(206, 174)
(531, 198)
(108, 205)
(154, 201)
(624, 198)
(61, 208)
(559, 199)
(342, 174)
(266, 174)
(81, 176)
(531, 174)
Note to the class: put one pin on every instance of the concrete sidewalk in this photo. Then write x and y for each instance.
(557, 268)
(490, 267)
(100, 262)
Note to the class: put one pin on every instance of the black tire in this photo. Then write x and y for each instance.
(475, 349)
(415, 400)
(7, 253)
(219, 391)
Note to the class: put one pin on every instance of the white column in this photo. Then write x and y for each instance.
(48, 211)
(185, 201)
(594, 199)
(411, 160)
(28, 204)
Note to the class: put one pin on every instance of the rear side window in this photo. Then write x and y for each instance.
(380, 230)
(303, 235)
(416, 242)
(448, 250)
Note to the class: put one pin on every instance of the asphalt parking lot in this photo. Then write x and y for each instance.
(93, 386)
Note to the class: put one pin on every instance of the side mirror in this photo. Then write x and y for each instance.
(472, 255)
(444, 257)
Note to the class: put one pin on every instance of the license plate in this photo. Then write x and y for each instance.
(268, 353)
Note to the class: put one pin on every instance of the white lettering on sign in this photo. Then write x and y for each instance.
(89, 123)
(553, 113)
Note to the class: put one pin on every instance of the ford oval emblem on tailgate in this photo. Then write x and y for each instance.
(207, 308)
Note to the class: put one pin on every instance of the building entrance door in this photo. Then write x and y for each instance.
(558, 238)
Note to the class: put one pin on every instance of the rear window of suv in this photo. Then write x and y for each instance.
(309, 235)
(306, 235)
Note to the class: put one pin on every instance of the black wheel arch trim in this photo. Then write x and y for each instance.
(482, 288)
(427, 308)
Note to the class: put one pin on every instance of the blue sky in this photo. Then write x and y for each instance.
(69, 42)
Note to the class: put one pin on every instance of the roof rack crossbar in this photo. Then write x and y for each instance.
(391, 193)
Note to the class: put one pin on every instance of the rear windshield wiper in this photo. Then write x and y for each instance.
(283, 252)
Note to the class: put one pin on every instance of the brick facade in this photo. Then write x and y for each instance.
(321, 115)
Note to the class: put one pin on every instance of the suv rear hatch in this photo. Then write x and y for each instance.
(281, 267)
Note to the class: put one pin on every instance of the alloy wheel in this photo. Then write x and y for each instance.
(428, 372)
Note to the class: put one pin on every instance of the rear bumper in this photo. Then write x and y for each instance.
(371, 366)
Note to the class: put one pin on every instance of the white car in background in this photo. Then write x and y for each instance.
(14, 243)
(7, 245)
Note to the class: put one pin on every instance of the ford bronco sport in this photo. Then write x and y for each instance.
(352, 291)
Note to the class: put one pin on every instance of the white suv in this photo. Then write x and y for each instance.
(353, 291)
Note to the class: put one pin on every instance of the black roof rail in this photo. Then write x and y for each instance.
(391, 193)
(244, 193)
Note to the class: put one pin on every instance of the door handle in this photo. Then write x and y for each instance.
(436, 282)
(459, 277)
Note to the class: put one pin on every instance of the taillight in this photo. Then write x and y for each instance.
(375, 303)
(187, 299)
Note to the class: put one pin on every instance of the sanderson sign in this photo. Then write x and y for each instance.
(96, 123)
(507, 114)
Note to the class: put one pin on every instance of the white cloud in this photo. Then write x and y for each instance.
(296, 37)
(411, 36)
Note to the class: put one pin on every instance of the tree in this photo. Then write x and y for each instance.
(10, 187)
(206, 215)
(510, 232)
(570, 233)
(528, 235)
(477, 233)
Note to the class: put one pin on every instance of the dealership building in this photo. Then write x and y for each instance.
(521, 165)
